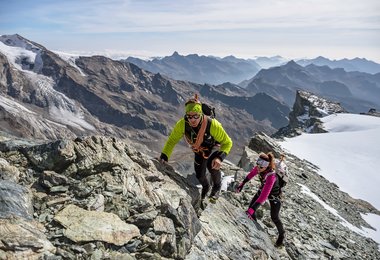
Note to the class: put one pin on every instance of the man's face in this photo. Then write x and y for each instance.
(193, 118)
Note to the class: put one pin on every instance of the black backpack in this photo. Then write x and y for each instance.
(208, 110)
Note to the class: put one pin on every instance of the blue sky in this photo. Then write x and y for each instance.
(244, 28)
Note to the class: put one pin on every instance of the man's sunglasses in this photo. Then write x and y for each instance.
(192, 116)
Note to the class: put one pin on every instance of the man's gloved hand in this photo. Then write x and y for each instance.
(163, 158)
(251, 214)
(240, 187)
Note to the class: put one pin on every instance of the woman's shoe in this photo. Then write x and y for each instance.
(280, 240)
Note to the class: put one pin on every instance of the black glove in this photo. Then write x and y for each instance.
(240, 187)
(163, 158)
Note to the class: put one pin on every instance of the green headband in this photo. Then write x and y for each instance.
(194, 107)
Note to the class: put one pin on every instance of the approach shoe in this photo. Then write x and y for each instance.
(280, 240)
(213, 199)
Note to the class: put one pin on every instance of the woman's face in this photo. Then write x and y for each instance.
(262, 164)
(261, 169)
(193, 118)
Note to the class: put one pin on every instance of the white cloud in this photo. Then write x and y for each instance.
(335, 29)
(165, 16)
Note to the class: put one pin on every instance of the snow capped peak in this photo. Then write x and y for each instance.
(16, 40)
(23, 54)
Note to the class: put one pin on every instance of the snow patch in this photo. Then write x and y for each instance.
(347, 155)
(13, 107)
(21, 53)
(70, 58)
(363, 231)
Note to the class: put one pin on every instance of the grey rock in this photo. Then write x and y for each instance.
(8, 172)
(15, 200)
(83, 225)
(163, 225)
(21, 238)
(49, 179)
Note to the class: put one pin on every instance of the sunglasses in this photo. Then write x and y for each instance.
(262, 163)
(193, 116)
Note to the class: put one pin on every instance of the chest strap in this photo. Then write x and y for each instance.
(200, 135)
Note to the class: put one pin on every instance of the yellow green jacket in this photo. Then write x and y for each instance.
(216, 131)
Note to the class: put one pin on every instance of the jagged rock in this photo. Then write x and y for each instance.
(97, 203)
(216, 241)
(307, 110)
(83, 225)
(8, 172)
(164, 206)
(247, 160)
(372, 112)
(163, 225)
(23, 239)
(261, 142)
(50, 179)
(15, 200)
(145, 219)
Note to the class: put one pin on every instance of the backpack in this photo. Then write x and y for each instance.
(282, 172)
(208, 110)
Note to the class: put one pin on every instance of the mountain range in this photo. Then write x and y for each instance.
(356, 91)
(47, 96)
(349, 65)
(200, 69)
(354, 83)
(215, 70)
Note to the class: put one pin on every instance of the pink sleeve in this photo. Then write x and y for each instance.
(252, 173)
(269, 182)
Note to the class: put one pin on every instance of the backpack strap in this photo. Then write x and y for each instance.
(200, 134)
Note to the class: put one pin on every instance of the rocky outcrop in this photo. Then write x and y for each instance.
(97, 197)
(84, 226)
(372, 112)
(307, 110)
(227, 233)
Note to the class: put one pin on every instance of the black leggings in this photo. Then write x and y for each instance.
(275, 206)
(200, 165)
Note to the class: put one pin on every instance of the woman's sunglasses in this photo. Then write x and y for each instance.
(262, 163)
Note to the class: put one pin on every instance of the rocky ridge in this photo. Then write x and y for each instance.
(307, 110)
(98, 197)
(59, 198)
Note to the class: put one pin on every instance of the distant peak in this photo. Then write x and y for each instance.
(16, 40)
(293, 64)
(175, 53)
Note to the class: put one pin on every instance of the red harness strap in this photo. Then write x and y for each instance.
(196, 147)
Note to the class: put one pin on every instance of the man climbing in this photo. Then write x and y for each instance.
(203, 133)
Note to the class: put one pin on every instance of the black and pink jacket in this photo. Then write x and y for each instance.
(269, 183)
